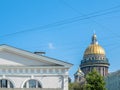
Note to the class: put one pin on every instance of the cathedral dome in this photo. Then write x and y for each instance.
(94, 57)
(94, 48)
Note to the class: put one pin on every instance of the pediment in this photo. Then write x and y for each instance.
(10, 56)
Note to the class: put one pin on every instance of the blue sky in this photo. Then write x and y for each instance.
(62, 28)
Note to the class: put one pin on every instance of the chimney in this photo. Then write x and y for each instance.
(39, 53)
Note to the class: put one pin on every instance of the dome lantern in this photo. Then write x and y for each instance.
(94, 39)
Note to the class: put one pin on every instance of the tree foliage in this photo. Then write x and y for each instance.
(94, 81)
(75, 86)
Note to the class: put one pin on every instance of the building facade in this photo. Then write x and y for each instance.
(113, 81)
(94, 57)
(24, 70)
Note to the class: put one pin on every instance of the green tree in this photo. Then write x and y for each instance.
(75, 86)
(94, 81)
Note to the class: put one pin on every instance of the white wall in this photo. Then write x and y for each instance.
(46, 81)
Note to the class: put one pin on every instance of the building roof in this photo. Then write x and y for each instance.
(28, 54)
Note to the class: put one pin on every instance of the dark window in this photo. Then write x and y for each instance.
(5, 84)
(32, 84)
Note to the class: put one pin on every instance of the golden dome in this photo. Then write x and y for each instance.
(79, 72)
(94, 48)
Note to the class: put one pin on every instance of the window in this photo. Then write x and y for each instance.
(5, 84)
(32, 84)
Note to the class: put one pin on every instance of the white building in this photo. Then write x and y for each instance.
(21, 69)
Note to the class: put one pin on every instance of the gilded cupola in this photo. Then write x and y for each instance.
(94, 47)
